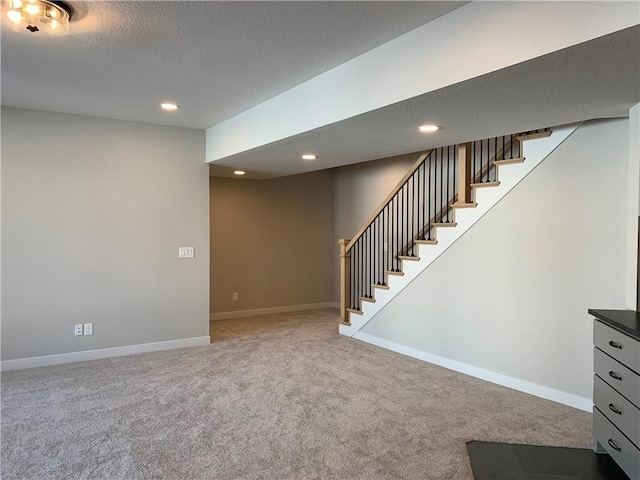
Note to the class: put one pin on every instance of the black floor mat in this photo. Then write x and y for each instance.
(504, 461)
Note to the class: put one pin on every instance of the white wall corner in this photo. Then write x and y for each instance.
(633, 207)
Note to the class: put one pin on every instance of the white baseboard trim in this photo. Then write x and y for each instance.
(48, 360)
(541, 391)
(264, 311)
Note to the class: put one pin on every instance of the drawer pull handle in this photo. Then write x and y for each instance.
(614, 445)
(615, 344)
(615, 409)
(615, 375)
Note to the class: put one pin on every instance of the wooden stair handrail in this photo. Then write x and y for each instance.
(388, 198)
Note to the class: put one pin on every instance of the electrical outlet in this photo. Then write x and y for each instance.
(88, 328)
(186, 252)
(78, 329)
(235, 296)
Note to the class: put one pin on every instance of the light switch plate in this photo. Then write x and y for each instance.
(186, 252)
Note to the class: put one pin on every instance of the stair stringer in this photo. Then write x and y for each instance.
(486, 198)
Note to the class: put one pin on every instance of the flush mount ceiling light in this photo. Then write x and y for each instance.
(309, 156)
(45, 18)
(239, 172)
(170, 107)
(428, 128)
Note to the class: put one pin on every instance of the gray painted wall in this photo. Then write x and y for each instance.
(511, 296)
(93, 213)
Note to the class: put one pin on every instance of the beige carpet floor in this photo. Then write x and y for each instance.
(273, 397)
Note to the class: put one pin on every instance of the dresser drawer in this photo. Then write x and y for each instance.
(617, 445)
(618, 345)
(618, 376)
(622, 413)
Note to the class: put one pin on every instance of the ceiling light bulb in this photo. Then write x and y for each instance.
(239, 172)
(15, 4)
(32, 9)
(54, 24)
(169, 106)
(429, 128)
(309, 156)
(14, 16)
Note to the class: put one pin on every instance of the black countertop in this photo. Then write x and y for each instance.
(625, 321)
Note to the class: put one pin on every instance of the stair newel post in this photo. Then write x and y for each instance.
(345, 275)
(464, 174)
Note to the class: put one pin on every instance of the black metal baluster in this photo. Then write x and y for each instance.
(419, 210)
(351, 280)
(361, 272)
(428, 195)
(425, 189)
(372, 255)
(371, 263)
(365, 286)
(356, 247)
(448, 170)
(384, 238)
(371, 260)
(436, 193)
(381, 247)
(401, 223)
(354, 284)
(441, 185)
(495, 152)
(413, 197)
(455, 166)
(387, 240)
(405, 219)
(390, 224)
(488, 148)
(355, 275)
(405, 246)
(396, 233)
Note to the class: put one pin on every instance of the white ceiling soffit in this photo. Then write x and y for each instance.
(474, 40)
(216, 59)
(596, 79)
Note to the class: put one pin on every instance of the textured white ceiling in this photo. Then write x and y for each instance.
(216, 59)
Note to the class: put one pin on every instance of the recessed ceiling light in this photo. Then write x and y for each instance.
(309, 156)
(239, 172)
(169, 106)
(429, 128)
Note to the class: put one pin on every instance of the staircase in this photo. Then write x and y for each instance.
(446, 191)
